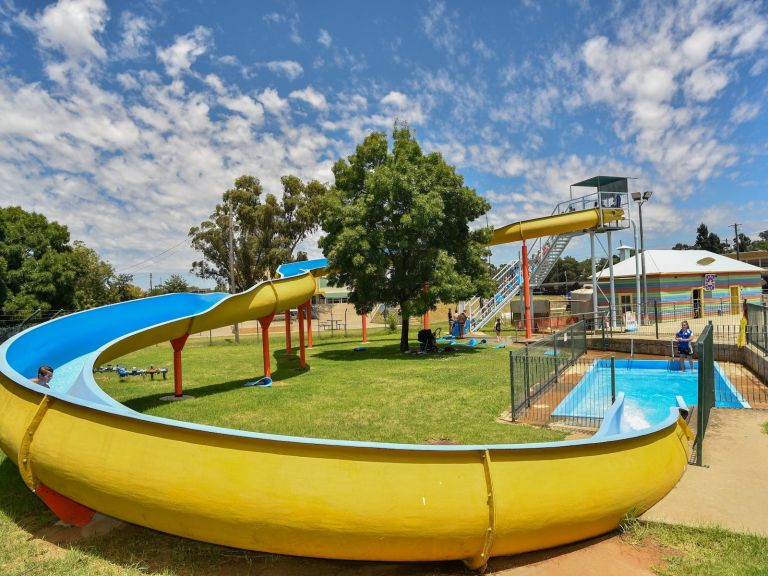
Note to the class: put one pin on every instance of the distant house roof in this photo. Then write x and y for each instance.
(680, 262)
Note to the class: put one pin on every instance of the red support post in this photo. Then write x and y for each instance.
(527, 294)
(288, 332)
(67, 510)
(178, 346)
(265, 322)
(425, 321)
(309, 323)
(365, 329)
(302, 354)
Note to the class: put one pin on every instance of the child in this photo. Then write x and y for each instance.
(683, 339)
(497, 327)
(44, 375)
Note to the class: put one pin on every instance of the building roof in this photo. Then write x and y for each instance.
(597, 181)
(681, 262)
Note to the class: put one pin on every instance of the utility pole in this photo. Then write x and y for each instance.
(150, 281)
(736, 234)
(232, 266)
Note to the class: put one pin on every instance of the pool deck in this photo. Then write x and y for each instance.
(729, 490)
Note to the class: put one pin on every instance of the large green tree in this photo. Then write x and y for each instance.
(41, 270)
(398, 221)
(265, 230)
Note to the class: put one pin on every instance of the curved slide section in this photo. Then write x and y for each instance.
(304, 496)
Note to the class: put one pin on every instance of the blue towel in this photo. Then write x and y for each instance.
(502, 345)
(261, 382)
(360, 349)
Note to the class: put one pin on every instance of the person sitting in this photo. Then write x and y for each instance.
(427, 340)
(683, 339)
(44, 375)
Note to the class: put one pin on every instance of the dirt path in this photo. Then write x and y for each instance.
(730, 490)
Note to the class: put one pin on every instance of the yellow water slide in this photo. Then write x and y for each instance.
(556, 224)
(81, 450)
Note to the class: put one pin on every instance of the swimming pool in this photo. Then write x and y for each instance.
(649, 387)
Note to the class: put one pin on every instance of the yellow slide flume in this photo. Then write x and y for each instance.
(557, 224)
(304, 496)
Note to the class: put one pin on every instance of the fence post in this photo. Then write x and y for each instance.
(602, 327)
(512, 411)
(656, 316)
(527, 378)
(700, 425)
(554, 346)
(613, 378)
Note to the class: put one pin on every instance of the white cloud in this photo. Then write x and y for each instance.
(245, 105)
(127, 81)
(441, 27)
(482, 48)
(324, 38)
(71, 26)
(272, 102)
(661, 53)
(134, 37)
(288, 68)
(180, 56)
(311, 97)
(395, 99)
(292, 21)
(350, 103)
(705, 82)
(745, 112)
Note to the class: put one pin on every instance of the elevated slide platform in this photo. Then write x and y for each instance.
(81, 451)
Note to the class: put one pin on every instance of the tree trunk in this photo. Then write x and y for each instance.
(404, 347)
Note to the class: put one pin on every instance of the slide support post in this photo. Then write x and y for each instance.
(265, 322)
(309, 323)
(527, 294)
(288, 349)
(178, 346)
(302, 352)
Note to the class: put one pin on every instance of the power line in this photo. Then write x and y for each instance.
(141, 264)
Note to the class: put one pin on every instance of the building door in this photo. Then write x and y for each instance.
(735, 297)
(698, 302)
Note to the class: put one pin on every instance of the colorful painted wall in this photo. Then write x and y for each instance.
(673, 294)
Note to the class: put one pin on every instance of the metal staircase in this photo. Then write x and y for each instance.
(543, 255)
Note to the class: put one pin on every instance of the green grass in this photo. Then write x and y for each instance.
(377, 395)
(704, 551)
(765, 427)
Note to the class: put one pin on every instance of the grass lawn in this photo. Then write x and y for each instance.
(378, 394)
(704, 551)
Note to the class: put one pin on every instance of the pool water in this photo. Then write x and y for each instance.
(650, 388)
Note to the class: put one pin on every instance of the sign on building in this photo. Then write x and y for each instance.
(709, 282)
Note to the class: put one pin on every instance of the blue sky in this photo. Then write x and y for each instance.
(127, 120)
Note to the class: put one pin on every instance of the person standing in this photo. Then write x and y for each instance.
(450, 320)
(462, 320)
(497, 327)
(684, 348)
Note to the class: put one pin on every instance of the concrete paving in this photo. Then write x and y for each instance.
(730, 489)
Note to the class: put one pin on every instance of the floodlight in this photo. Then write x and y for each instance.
(636, 196)
(647, 194)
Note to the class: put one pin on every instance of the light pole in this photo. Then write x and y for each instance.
(641, 198)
